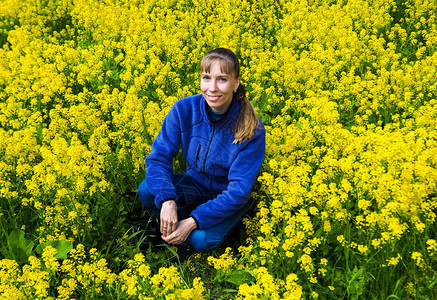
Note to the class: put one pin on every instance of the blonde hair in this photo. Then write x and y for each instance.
(247, 121)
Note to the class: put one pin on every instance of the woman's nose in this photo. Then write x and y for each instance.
(213, 86)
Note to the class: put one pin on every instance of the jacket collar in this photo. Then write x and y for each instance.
(229, 118)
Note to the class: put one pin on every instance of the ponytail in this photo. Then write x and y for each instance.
(247, 120)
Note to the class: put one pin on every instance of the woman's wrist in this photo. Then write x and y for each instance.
(167, 201)
(196, 224)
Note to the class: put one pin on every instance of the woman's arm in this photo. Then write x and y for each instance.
(160, 170)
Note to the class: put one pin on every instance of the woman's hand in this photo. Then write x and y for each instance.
(182, 232)
(169, 217)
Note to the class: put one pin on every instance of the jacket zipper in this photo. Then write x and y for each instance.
(198, 152)
(209, 146)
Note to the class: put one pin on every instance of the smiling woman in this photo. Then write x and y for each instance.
(218, 84)
(198, 209)
(218, 88)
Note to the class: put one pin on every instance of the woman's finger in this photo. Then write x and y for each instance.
(168, 227)
(165, 228)
(173, 227)
(172, 239)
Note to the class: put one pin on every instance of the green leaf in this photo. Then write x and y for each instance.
(63, 247)
(20, 248)
(239, 277)
(229, 291)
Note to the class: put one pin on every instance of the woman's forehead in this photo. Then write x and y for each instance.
(225, 65)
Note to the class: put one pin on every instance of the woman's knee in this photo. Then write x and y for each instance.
(211, 238)
(202, 241)
(145, 195)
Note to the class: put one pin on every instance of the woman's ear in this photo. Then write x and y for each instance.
(237, 84)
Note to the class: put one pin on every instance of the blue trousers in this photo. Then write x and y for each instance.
(190, 195)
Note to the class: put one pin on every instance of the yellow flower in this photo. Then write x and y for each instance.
(418, 258)
(393, 261)
(49, 260)
(432, 246)
(224, 262)
(363, 248)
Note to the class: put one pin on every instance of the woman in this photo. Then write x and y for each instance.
(223, 142)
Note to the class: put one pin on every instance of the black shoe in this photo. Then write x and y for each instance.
(184, 252)
(148, 231)
(149, 224)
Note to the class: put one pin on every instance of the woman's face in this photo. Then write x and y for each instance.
(218, 88)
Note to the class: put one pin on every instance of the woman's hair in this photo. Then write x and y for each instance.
(247, 120)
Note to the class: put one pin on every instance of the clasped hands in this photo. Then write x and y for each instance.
(174, 231)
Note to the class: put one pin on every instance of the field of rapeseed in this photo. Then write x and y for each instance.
(348, 199)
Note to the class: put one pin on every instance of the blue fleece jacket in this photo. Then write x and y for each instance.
(212, 158)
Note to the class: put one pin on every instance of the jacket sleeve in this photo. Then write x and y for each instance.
(159, 167)
(242, 175)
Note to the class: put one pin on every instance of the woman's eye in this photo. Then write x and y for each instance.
(205, 77)
(222, 79)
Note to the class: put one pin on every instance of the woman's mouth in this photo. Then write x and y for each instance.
(213, 98)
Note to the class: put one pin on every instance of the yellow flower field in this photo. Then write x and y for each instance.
(347, 91)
